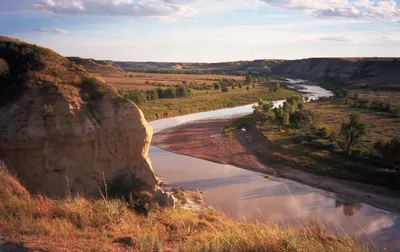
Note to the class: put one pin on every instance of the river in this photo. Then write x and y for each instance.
(246, 194)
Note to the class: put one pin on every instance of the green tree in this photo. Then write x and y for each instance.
(225, 89)
(264, 110)
(275, 88)
(152, 94)
(281, 117)
(216, 86)
(352, 131)
(240, 85)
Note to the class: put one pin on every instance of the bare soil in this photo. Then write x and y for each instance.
(206, 140)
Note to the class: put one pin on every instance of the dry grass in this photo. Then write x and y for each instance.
(138, 80)
(380, 125)
(388, 97)
(83, 224)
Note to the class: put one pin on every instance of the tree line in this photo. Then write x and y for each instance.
(141, 96)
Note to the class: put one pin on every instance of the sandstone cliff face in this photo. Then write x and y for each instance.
(48, 139)
(62, 136)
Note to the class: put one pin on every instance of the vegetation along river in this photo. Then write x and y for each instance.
(242, 193)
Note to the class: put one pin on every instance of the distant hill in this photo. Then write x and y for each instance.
(371, 73)
(92, 65)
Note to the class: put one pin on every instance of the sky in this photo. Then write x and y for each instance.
(206, 30)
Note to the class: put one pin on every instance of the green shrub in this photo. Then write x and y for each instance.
(92, 88)
(225, 89)
(323, 132)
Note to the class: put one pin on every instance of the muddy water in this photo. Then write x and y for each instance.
(242, 193)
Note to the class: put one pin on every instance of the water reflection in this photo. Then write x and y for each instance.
(349, 207)
(238, 192)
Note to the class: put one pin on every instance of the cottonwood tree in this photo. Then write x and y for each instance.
(352, 131)
(263, 110)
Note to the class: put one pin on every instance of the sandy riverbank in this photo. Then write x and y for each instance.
(206, 140)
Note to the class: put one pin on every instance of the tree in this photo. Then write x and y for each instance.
(216, 86)
(225, 89)
(323, 132)
(264, 110)
(240, 85)
(275, 88)
(152, 94)
(352, 131)
(281, 117)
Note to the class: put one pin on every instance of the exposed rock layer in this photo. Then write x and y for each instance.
(64, 135)
(48, 139)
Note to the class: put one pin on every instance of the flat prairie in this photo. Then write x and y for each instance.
(144, 81)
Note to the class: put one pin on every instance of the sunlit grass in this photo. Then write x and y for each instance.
(83, 224)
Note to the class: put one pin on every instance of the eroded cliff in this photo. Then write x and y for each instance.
(63, 131)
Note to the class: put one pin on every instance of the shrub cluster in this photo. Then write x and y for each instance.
(291, 114)
(16, 61)
(92, 89)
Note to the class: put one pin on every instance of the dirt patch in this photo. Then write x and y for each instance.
(206, 140)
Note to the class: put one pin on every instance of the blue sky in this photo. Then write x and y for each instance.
(206, 30)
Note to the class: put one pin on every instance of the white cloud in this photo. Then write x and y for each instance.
(50, 30)
(373, 9)
(170, 9)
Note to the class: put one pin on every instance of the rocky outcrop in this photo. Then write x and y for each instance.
(73, 138)
(50, 141)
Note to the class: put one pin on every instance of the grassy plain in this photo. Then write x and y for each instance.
(209, 100)
(75, 223)
(283, 146)
(145, 81)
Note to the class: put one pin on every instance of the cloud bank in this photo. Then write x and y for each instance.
(367, 9)
(380, 9)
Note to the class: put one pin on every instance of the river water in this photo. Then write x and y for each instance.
(246, 194)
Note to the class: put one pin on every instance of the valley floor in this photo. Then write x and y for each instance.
(206, 140)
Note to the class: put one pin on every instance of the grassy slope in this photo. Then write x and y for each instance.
(205, 101)
(284, 149)
(34, 67)
(82, 224)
